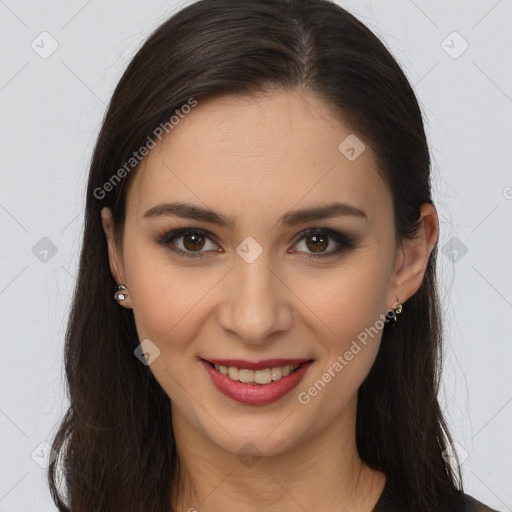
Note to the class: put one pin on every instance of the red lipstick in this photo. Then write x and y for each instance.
(256, 394)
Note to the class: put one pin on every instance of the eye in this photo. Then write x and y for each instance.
(193, 240)
(317, 239)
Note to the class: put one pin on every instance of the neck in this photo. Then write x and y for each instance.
(323, 472)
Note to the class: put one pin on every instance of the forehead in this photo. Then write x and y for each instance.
(259, 155)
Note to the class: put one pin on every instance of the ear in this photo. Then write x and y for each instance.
(114, 255)
(413, 256)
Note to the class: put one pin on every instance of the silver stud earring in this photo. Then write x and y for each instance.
(120, 294)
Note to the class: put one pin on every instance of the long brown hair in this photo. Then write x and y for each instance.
(115, 444)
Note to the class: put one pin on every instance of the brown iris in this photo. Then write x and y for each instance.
(197, 241)
(319, 242)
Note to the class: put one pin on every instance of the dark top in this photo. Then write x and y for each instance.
(390, 501)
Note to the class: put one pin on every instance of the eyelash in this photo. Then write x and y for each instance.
(346, 242)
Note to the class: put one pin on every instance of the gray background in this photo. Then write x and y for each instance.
(51, 110)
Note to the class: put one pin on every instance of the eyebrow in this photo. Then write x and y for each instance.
(292, 218)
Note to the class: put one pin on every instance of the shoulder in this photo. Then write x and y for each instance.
(472, 505)
(391, 501)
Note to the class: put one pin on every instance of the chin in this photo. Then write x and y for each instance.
(258, 438)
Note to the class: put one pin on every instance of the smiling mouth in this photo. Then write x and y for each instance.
(261, 377)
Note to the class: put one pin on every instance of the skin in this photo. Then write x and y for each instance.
(254, 159)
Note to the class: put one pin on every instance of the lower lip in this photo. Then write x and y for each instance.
(256, 394)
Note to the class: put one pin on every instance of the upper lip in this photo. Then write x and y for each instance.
(258, 365)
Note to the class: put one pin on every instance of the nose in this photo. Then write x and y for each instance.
(256, 302)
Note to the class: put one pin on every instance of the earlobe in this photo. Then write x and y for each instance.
(115, 260)
(414, 255)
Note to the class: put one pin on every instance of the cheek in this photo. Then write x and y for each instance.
(165, 307)
(165, 297)
(346, 311)
(168, 310)
(345, 301)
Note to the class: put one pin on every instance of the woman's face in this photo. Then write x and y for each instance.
(246, 291)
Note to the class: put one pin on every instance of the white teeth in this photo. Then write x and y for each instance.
(245, 375)
(265, 376)
(277, 373)
(223, 369)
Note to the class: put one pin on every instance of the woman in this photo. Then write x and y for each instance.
(259, 201)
